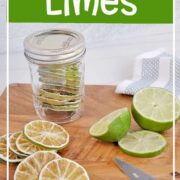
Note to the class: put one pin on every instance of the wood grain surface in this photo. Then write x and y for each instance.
(96, 156)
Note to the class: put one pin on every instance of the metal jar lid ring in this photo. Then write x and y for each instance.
(54, 46)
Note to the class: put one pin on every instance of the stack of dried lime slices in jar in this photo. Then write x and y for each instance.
(61, 87)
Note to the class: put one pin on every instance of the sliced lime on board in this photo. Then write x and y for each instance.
(64, 169)
(12, 158)
(143, 143)
(152, 109)
(27, 147)
(113, 126)
(46, 134)
(30, 168)
(13, 147)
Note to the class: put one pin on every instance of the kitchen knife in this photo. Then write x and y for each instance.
(132, 172)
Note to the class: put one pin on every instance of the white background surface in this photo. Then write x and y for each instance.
(111, 49)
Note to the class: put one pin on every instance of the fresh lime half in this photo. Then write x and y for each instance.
(152, 109)
(113, 126)
(143, 143)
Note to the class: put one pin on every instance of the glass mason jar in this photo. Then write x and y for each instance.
(57, 72)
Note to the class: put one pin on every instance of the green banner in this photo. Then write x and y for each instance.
(91, 11)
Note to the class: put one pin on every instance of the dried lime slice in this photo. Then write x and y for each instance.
(58, 96)
(56, 102)
(50, 101)
(13, 147)
(64, 169)
(60, 71)
(60, 77)
(60, 89)
(27, 147)
(56, 81)
(30, 168)
(62, 108)
(46, 134)
(13, 158)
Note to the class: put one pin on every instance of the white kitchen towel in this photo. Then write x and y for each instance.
(153, 69)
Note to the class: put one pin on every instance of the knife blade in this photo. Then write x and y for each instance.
(131, 171)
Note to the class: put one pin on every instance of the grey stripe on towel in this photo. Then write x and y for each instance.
(150, 73)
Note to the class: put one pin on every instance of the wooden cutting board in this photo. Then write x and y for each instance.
(96, 156)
